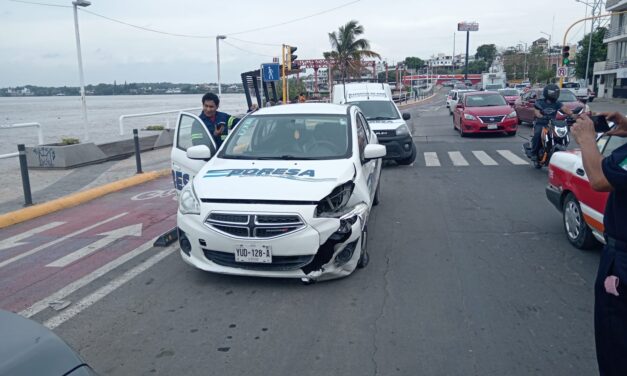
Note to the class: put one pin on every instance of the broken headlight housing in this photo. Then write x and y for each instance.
(334, 204)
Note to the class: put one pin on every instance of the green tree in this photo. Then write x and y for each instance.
(414, 62)
(598, 52)
(349, 49)
(486, 52)
(477, 66)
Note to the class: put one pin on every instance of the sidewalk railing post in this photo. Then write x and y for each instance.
(138, 158)
(28, 198)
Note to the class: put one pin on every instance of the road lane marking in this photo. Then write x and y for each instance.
(484, 158)
(109, 237)
(59, 240)
(431, 159)
(513, 158)
(105, 290)
(457, 158)
(16, 240)
(87, 279)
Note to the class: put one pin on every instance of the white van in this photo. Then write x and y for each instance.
(383, 116)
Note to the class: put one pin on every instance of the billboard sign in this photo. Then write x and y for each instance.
(468, 26)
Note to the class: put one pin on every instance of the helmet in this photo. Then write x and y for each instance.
(551, 92)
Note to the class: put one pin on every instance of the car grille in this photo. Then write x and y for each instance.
(492, 119)
(279, 263)
(254, 225)
(385, 133)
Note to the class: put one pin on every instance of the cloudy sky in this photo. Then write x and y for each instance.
(37, 43)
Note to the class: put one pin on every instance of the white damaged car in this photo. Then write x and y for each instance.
(287, 195)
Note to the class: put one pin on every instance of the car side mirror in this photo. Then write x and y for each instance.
(406, 116)
(199, 152)
(374, 151)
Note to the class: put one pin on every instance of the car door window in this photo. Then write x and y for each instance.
(193, 132)
(362, 139)
(366, 126)
(612, 144)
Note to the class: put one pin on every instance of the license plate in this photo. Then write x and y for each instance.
(253, 253)
(493, 126)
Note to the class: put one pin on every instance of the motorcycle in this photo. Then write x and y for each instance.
(555, 137)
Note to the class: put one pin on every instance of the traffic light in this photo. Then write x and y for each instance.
(565, 55)
(291, 58)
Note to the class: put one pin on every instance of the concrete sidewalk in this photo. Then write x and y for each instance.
(48, 185)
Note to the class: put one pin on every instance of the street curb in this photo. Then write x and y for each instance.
(78, 198)
(416, 102)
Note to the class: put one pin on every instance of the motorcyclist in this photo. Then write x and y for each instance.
(545, 110)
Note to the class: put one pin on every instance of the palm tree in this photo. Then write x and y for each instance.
(348, 50)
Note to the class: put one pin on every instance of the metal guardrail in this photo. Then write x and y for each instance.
(123, 117)
(615, 64)
(40, 135)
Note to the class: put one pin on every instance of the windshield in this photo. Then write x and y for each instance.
(485, 100)
(378, 110)
(288, 137)
(508, 92)
(567, 96)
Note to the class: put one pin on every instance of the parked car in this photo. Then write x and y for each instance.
(287, 195)
(581, 92)
(451, 102)
(484, 112)
(29, 348)
(510, 95)
(570, 192)
(524, 105)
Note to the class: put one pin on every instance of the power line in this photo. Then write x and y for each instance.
(43, 4)
(294, 20)
(247, 51)
(259, 43)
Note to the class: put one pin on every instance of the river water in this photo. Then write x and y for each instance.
(62, 116)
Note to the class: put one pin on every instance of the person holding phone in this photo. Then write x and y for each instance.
(218, 123)
(609, 174)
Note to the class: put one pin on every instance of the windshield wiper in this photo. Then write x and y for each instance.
(381, 118)
(286, 157)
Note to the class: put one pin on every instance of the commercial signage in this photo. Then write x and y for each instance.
(468, 26)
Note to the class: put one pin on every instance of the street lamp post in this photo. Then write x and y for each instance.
(525, 69)
(218, 37)
(76, 4)
(548, 50)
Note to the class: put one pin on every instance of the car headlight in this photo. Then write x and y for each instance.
(334, 204)
(561, 131)
(511, 115)
(188, 202)
(402, 130)
(469, 117)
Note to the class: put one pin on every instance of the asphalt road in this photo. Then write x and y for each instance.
(470, 274)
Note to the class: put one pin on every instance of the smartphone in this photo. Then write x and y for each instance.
(220, 126)
(600, 123)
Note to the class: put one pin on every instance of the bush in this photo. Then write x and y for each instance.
(155, 128)
(69, 141)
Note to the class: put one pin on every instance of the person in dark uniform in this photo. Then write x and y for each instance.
(218, 123)
(609, 174)
(545, 108)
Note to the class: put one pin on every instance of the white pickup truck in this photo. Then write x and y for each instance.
(581, 92)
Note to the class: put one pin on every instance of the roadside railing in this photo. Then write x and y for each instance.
(40, 135)
(145, 114)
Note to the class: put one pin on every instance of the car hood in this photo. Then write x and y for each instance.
(275, 180)
(28, 348)
(385, 124)
(573, 105)
(489, 111)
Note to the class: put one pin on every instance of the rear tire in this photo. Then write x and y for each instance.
(575, 226)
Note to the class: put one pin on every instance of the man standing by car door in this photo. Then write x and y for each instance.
(610, 290)
(218, 123)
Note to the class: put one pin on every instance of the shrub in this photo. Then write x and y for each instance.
(69, 141)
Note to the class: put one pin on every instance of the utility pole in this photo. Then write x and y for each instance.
(218, 37)
(467, 45)
(596, 6)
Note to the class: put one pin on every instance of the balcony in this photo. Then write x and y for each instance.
(609, 65)
(614, 33)
(615, 5)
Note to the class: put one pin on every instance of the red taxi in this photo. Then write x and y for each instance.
(484, 112)
(570, 192)
(510, 95)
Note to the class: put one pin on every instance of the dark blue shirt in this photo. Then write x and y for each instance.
(221, 117)
(615, 171)
(549, 110)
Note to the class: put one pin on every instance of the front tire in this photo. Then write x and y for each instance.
(461, 129)
(511, 133)
(409, 160)
(576, 228)
(364, 257)
(376, 200)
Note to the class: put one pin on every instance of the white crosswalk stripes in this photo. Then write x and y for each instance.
(431, 159)
(484, 158)
(507, 154)
(481, 158)
(457, 158)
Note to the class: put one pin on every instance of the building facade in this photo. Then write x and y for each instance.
(610, 76)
